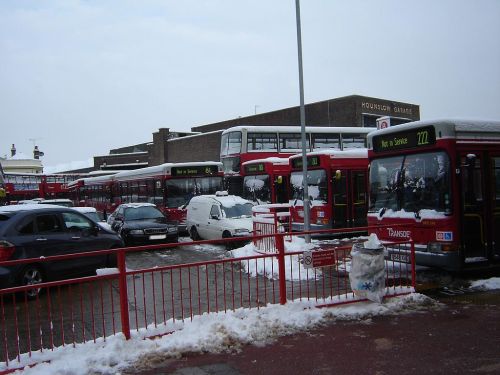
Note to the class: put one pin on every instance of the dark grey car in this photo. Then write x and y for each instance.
(142, 224)
(34, 231)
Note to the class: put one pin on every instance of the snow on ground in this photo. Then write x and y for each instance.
(217, 332)
(268, 267)
(212, 333)
(488, 284)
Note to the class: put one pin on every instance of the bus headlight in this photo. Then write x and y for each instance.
(434, 247)
(437, 247)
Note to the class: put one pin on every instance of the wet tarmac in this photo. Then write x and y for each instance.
(461, 336)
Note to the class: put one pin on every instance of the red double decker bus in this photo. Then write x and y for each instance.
(440, 182)
(337, 182)
(266, 180)
(241, 144)
(56, 185)
(23, 186)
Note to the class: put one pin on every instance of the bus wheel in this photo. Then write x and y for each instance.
(193, 233)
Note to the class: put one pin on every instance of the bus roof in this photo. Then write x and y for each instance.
(160, 170)
(297, 129)
(273, 160)
(356, 153)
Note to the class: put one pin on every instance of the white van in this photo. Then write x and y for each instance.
(211, 217)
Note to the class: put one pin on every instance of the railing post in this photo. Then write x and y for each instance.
(280, 246)
(122, 281)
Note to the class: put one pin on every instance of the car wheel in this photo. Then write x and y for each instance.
(31, 275)
(193, 233)
(112, 260)
(228, 245)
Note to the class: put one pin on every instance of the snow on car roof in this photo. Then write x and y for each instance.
(84, 209)
(225, 201)
(48, 201)
(137, 205)
(28, 207)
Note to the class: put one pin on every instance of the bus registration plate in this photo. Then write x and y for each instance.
(403, 258)
(158, 237)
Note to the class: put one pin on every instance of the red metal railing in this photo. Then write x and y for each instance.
(145, 300)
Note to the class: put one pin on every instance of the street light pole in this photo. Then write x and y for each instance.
(303, 125)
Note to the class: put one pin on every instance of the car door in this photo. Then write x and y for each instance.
(44, 236)
(213, 223)
(83, 235)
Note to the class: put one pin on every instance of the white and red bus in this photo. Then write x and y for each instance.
(23, 186)
(170, 186)
(56, 185)
(94, 192)
(440, 182)
(266, 180)
(337, 182)
(241, 144)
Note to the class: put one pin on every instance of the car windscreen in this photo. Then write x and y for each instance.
(238, 210)
(140, 213)
(92, 215)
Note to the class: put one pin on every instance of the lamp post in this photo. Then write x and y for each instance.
(303, 125)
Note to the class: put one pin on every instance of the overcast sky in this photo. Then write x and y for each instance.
(82, 77)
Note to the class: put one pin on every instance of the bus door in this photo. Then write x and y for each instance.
(495, 206)
(349, 198)
(474, 225)
(281, 189)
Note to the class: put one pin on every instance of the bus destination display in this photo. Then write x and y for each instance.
(194, 170)
(407, 139)
(312, 161)
(254, 168)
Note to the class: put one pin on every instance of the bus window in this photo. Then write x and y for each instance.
(321, 141)
(257, 189)
(411, 183)
(384, 182)
(292, 141)
(353, 141)
(230, 143)
(471, 181)
(262, 141)
(179, 192)
(316, 185)
(234, 143)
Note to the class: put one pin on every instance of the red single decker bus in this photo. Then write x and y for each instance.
(266, 180)
(170, 186)
(94, 192)
(337, 182)
(439, 181)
